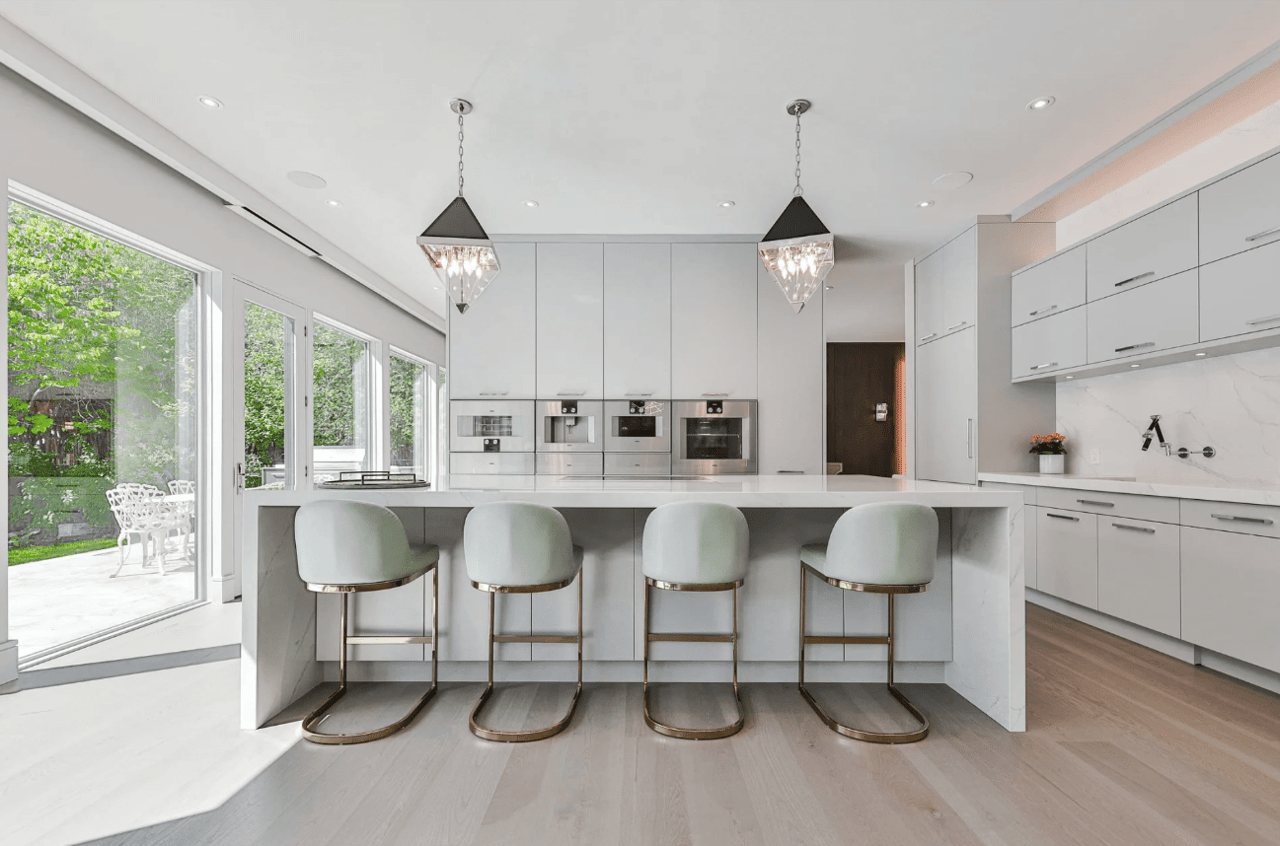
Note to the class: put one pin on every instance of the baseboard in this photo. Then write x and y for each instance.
(9, 667)
(924, 672)
(1171, 646)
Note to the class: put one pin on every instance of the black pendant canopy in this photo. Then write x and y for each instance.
(796, 221)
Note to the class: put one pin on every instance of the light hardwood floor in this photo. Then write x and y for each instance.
(1124, 746)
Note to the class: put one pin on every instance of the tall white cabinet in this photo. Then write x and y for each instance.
(492, 346)
(791, 373)
(968, 417)
(637, 320)
(713, 321)
(570, 321)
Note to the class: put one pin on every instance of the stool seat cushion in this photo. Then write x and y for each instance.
(518, 544)
(342, 542)
(695, 543)
(881, 543)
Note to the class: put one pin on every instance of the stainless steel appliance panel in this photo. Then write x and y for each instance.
(637, 464)
(491, 463)
(570, 464)
(570, 425)
(637, 426)
(486, 426)
(713, 437)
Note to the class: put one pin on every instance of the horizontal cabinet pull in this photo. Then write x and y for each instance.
(1061, 516)
(1135, 278)
(1096, 502)
(1043, 310)
(1136, 346)
(930, 335)
(792, 472)
(1263, 234)
(571, 393)
(1146, 529)
(715, 395)
(639, 395)
(957, 325)
(1262, 521)
(1043, 366)
(1257, 320)
(494, 393)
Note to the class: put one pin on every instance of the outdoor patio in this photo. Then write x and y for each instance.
(62, 599)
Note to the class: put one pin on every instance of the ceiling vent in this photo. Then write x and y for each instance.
(270, 228)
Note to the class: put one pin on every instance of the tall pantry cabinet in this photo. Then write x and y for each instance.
(968, 416)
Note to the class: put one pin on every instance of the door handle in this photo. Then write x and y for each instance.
(791, 472)
(1136, 346)
(1146, 529)
(1262, 234)
(1046, 364)
(1135, 278)
(957, 325)
(930, 335)
(715, 395)
(1096, 502)
(1259, 320)
(1262, 521)
(969, 436)
(639, 395)
(494, 393)
(239, 473)
(1043, 310)
(1061, 516)
(571, 393)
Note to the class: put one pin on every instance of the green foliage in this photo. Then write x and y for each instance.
(336, 361)
(406, 394)
(57, 550)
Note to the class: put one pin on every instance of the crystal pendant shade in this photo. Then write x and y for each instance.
(798, 252)
(461, 253)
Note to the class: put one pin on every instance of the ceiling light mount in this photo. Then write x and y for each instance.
(798, 107)
(461, 107)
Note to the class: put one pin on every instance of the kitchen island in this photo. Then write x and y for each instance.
(966, 631)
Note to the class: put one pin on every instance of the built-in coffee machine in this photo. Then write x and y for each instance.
(570, 441)
(637, 439)
(491, 437)
(713, 437)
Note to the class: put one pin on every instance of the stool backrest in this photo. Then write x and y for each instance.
(695, 543)
(884, 543)
(342, 542)
(517, 544)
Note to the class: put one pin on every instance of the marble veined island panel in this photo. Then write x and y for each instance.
(966, 631)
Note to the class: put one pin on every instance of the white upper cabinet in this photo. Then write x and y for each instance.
(1240, 294)
(1154, 317)
(713, 321)
(637, 321)
(570, 319)
(1241, 211)
(1055, 343)
(929, 276)
(946, 298)
(491, 346)
(1158, 244)
(791, 375)
(1049, 288)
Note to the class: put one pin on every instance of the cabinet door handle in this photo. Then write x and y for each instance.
(571, 393)
(1135, 278)
(639, 395)
(1043, 310)
(969, 435)
(791, 472)
(1259, 320)
(1262, 234)
(1146, 529)
(1046, 364)
(1136, 346)
(494, 393)
(930, 335)
(1061, 516)
(1096, 502)
(957, 326)
(715, 395)
(1262, 521)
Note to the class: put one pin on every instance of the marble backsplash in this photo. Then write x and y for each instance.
(1231, 403)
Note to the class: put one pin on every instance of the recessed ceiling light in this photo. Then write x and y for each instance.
(333, 203)
(831, 287)
(306, 180)
(728, 204)
(436, 288)
(1071, 377)
(1200, 355)
(1041, 103)
(532, 204)
(924, 204)
(210, 102)
(948, 181)
(1135, 365)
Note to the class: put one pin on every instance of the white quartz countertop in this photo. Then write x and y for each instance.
(784, 491)
(1207, 490)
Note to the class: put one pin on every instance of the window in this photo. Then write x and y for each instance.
(341, 412)
(415, 416)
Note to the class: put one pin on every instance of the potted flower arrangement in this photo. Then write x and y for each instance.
(1053, 455)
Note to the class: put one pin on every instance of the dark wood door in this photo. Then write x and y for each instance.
(860, 376)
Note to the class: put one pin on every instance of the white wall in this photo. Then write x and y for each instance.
(1230, 403)
(56, 151)
(865, 303)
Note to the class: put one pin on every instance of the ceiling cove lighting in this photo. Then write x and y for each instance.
(456, 244)
(799, 250)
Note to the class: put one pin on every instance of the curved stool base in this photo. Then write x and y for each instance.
(696, 734)
(313, 719)
(873, 736)
(520, 736)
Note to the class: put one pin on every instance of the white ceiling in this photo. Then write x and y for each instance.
(640, 117)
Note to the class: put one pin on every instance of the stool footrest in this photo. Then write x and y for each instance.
(697, 734)
(876, 640)
(315, 717)
(374, 640)
(519, 736)
(873, 736)
(676, 637)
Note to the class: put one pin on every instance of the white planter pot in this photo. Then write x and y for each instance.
(1053, 464)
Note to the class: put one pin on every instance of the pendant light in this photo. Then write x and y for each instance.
(799, 250)
(456, 244)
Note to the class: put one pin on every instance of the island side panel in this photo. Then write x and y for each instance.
(988, 665)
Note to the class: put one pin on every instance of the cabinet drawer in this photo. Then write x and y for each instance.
(1132, 506)
(637, 464)
(1241, 211)
(1138, 573)
(1230, 590)
(1232, 517)
(1028, 491)
(1240, 294)
(1050, 287)
(570, 464)
(1054, 343)
(1158, 244)
(490, 463)
(1067, 555)
(1158, 316)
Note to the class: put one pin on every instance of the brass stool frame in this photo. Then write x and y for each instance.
(312, 720)
(848, 731)
(554, 729)
(676, 731)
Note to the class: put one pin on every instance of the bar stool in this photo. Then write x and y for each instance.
(694, 546)
(883, 547)
(518, 547)
(351, 547)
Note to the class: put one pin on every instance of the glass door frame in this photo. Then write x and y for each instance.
(433, 412)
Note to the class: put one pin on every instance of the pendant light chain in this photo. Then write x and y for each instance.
(460, 155)
(799, 192)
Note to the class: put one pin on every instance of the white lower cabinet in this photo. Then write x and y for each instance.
(1138, 576)
(1067, 555)
(1230, 593)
